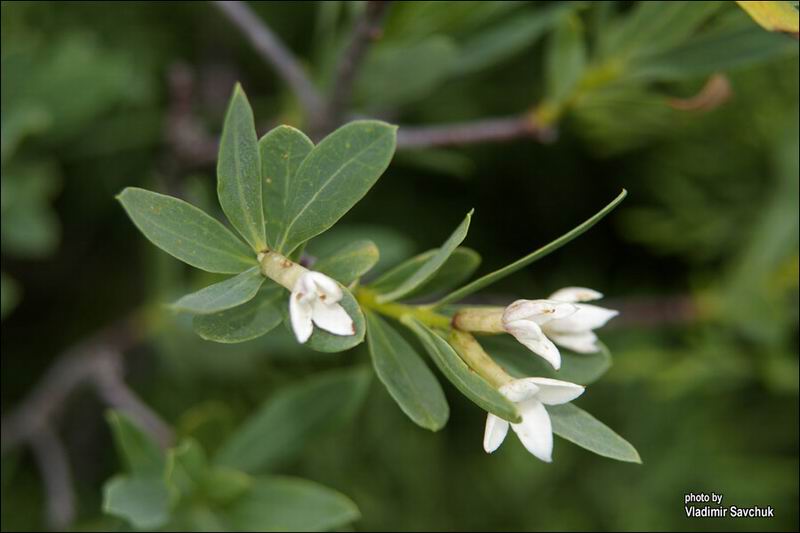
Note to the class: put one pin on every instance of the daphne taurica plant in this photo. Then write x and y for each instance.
(281, 191)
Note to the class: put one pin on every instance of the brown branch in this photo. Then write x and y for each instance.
(366, 30)
(87, 362)
(275, 53)
(486, 130)
(51, 457)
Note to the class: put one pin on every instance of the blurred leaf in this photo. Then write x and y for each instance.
(323, 341)
(725, 49)
(579, 427)
(30, 228)
(220, 296)
(350, 262)
(239, 172)
(521, 362)
(293, 416)
(335, 176)
(566, 59)
(652, 27)
(282, 150)
(487, 47)
(189, 471)
(10, 293)
(141, 501)
(277, 503)
(461, 376)
(427, 270)
(244, 322)
(774, 16)
(497, 275)
(140, 453)
(407, 378)
(185, 232)
(394, 74)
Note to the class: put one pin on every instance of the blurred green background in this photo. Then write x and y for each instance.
(701, 259)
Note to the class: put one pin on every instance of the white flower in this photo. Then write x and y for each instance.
(525, 320)
(561, 319)
(535, 431)
(315, 298)
(575, 331)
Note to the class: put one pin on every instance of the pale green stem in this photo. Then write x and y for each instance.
(480, 319)
(368, 300)
(470, 350)
(280, 269)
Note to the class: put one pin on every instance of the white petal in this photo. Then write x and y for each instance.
(333, 318)
(583, 342)
(554, 391)
(326, 288)
(588, 317)
(495, 433)
(539, 311)
(300, 316)
(575, 294)
(519, 390)
(532, 337)
(535, 431)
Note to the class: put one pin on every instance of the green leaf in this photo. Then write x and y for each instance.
(334, 177)
(497, 275)
(185, 466)
(140, 453)
(399, 73)
(282, 150)
(292, 417)
(429, 268)
(461, 376)
(565, 59)
(321, 340)
(278, 503)
(144, 502)
(579, 427)
(239, 172)
(516, 359)
(245, 322)
(711, 52)
(350, 262)
(185, 232)
(407, 378)
(488, 47)
(9, 293)
(457, 269)
(393, 245)
(223, 295)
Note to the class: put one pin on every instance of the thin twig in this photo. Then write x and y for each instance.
(367, 29)
(51, 457)
(486, 130)
(274, 52)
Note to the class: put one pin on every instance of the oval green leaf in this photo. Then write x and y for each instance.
(239, 172)
(141, 501)
(471, 385)
(282, 150)
(244, 322)
(579, 427)
(334, 177)
(185, 232)
(278, 503)
(428, 269)
(350, 262)
(223, 295)
(406, 376)
(289, 419)
(457, 269)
